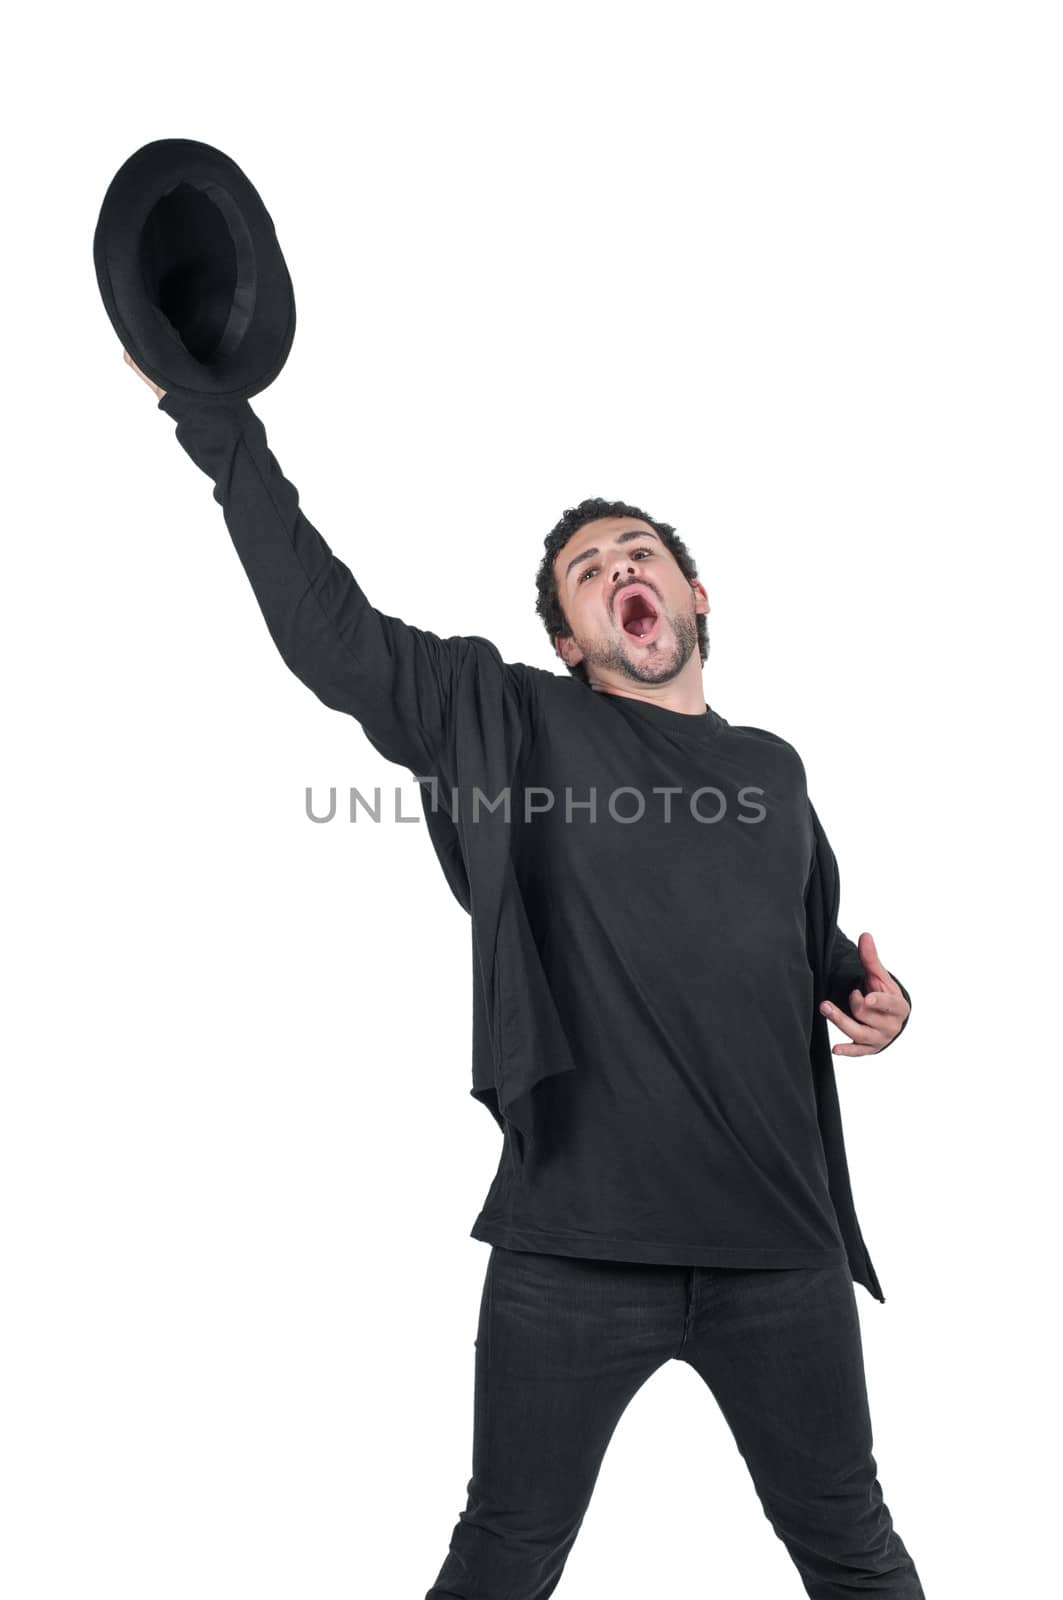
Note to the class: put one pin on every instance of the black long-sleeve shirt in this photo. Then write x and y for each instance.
(669, 919)
(664, 881)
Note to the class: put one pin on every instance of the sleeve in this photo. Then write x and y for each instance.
(393, 678)
(845, 970)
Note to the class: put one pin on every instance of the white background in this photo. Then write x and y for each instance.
(787, 277)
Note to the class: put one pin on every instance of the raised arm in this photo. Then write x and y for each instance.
(395, 679)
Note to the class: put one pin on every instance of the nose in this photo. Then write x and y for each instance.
(623, 567)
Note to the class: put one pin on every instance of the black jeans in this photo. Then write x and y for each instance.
(563, 1344)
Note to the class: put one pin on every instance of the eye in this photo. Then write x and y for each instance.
(643, 550)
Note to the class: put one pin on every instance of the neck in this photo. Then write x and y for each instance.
(685, 692)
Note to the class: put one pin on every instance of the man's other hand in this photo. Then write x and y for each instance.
(878, 1016)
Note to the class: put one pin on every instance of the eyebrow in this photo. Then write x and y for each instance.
(621, 538)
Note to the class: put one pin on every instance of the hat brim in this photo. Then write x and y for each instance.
(191, 272)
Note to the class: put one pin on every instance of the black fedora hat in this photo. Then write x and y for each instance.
(191, 272)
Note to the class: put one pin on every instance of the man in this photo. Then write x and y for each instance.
(654, 903)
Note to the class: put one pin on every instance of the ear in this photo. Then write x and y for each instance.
(701, 597)
(568, 649)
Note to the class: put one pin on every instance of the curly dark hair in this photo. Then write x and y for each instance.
(548, 602)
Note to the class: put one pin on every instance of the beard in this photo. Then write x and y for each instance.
(659, 662)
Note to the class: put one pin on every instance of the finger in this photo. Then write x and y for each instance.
(850, 1024)
(870, 957)
(881, 1014)
(868, 1036)
(867, 1023)
(882, 1005)
(879, 977)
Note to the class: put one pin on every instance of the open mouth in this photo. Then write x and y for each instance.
(638, 614)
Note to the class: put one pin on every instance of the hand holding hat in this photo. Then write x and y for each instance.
(158, 392)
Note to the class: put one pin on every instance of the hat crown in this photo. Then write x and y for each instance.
(191, 272)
